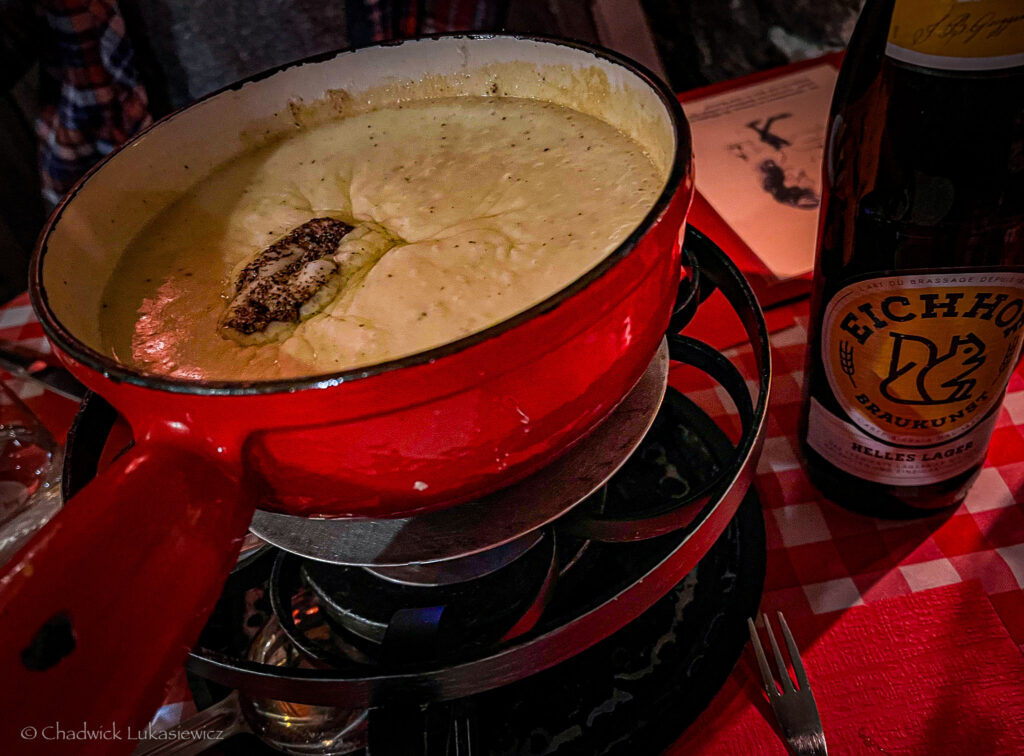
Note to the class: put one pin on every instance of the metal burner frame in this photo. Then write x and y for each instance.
(696, 523)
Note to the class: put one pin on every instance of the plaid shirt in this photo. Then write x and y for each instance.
(92, 100)
(92, 96)
(379, 20)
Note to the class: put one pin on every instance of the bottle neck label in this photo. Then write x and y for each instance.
(958, 35)
(918, 363)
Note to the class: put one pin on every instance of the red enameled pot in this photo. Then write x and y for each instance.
(96, 611)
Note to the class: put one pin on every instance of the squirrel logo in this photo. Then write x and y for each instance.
(918, 374)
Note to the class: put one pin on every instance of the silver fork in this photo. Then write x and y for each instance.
(794, 708)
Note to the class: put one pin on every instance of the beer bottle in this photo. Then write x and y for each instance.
(918, 304)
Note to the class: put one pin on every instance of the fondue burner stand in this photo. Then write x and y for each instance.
(593, 607)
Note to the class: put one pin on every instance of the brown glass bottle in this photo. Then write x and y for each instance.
(920, 258)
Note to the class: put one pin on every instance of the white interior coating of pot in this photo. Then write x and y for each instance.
(114, 204)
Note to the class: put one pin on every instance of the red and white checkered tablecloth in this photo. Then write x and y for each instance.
(821, 558)
(18, 325)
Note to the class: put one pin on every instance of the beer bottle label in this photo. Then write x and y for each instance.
(959, 35)
(918, 363)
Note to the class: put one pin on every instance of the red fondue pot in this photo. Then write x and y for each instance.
(96, 611)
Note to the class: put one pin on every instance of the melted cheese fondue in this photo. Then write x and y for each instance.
(464, 210)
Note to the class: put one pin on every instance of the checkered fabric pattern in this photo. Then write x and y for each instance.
(18, 325)
(91, 94)
(822, 558)
(378, 20)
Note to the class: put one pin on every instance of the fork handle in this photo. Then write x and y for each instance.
(812, 744)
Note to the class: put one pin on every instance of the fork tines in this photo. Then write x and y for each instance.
(794, 707)
(780, 663)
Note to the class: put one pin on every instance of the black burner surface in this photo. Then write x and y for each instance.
(636, 692)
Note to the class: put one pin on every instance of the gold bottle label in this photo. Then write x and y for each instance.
(964, 35)
(919, 364)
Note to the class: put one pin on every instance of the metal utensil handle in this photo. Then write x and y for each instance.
(44, 368)
(200, 731)
(813, 745)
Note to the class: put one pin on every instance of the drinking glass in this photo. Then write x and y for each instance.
(30, 464)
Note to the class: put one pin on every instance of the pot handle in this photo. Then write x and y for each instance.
(103, 603)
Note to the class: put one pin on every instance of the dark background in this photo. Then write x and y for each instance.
(186, 48)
